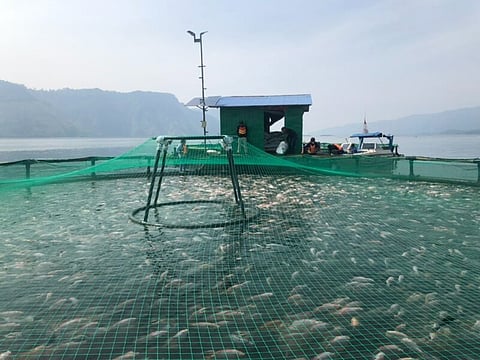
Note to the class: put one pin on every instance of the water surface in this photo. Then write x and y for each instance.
(351, 267)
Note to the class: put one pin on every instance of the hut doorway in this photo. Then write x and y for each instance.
(273, 121)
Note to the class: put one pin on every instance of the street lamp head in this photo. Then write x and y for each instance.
(195, 39)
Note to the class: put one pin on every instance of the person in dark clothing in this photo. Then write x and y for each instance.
(182, 152)
(242, 137)
(290, 138)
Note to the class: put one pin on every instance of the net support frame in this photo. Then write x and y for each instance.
(162, 148)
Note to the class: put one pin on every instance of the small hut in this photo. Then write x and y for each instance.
(260, 113)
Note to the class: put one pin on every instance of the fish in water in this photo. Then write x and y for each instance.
(349, 309)
(225, 354)
(327, 355)
(204, 325)
(354, 322)
(394, 334)
(235, 287)
(260, 297)
(128, 355)
(444, 321)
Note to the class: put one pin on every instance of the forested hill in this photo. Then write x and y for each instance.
(97, 113)
(94, 113)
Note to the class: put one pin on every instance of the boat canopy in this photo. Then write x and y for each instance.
(371, 135)
(377, 134)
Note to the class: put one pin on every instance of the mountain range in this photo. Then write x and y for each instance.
(98, 113)
(451, 122)
(95, 113)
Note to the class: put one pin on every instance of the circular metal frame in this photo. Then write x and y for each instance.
(239, 220)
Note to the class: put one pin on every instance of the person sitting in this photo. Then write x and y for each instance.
(312, 147)
(352, 148)
(335, 149)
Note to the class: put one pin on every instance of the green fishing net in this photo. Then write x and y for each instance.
(332, 257)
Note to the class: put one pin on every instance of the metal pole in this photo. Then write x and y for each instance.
(202, 77)
(152, 183)
(204, 108)
(227, 145)
(160, 177)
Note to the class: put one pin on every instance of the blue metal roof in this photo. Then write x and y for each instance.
(262, 100)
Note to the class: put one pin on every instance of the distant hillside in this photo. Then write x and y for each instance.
(94, 113)
(97, 113)
(460, 121)
(24, 115)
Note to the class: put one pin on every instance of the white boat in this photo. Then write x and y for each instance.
(371, 143)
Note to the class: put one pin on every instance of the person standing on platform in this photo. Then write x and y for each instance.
(290, 138)
(182, 151)
(242, 131)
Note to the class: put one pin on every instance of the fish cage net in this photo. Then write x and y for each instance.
(334, 258)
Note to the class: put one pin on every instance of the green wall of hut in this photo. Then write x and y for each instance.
(254, 118)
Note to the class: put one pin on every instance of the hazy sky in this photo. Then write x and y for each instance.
(385, 59)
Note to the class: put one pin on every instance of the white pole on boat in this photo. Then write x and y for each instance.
(365, 127)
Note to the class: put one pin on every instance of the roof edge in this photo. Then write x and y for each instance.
(253, 100)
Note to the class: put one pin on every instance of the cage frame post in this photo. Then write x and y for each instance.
(160, 148)
(162, 169)
(227, 145)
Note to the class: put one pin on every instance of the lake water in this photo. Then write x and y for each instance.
(331, 268)
(64, 148)
(442, 146)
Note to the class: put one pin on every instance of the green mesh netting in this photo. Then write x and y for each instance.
(209, 156)
(367, 266)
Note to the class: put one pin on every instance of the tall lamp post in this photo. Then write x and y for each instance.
(203, 105)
